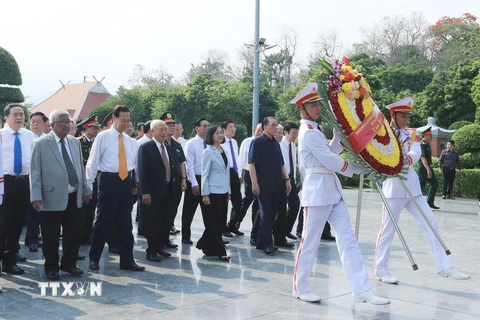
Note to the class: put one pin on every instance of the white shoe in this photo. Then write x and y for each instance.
(388, 278)
(370, 296)
(452, 272)
(308, 296)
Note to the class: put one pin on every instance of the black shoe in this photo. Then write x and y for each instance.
(253, 242)
(52, 275)
(433, 206)
(187, 241)
(328, 238)
(174, 231)
(291, 236)
(93, 265)
(12, 269)
(40, 244)
(234, 229)
(164, 253)
(299, 235)
(451, 197)
(80, 257)
(154, 257)
(285, 244)
(132, 266)
(224, 258)
(113, 250)
(269, 251)
(33, 247)
(20, 258)
(227, 234)
(444, 197)
(226, 242)
(74, 271)
(171, 245)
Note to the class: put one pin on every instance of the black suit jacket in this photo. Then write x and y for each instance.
(151, 170)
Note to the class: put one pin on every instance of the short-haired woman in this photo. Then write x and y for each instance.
(215, 193)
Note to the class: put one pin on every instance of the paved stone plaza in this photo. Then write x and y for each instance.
(255, 286)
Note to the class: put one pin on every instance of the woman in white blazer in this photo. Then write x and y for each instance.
(215, 193)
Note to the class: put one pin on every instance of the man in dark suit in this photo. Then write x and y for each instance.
(155, 167)
(58, 187)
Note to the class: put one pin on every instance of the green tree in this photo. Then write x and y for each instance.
(459, 124)
(466, 139)
(9, 75)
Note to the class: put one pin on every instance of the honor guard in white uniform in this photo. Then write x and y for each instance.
(398, 199)
(323, 200)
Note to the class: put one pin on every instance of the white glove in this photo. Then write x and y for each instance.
(336, 133)
(1, 199)
(358, 168)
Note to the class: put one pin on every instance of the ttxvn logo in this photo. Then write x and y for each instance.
(71, 289)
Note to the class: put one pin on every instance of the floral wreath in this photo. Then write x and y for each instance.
(365, 132)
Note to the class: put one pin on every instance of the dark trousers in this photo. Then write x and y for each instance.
(280, 219)
(114, 208)
(448, 178)
(293, 203)
(70, 219)
(89, 211)
(235, 196)
(211, 242)
(156, 224)
(269, 203)
(327, 230)
(190, 204)
(176, 198)
(140, 228)
(422, 175)
(32, 222)
(238, 216)
(16, 200)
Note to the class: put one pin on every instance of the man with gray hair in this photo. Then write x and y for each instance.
(57, 189)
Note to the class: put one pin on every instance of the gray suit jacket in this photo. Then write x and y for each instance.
(48, 173)
(215, 175)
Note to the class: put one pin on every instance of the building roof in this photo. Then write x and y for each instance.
(436, 130)
(79, 99)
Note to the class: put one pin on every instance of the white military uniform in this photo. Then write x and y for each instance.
(323, 200)
(398, 199)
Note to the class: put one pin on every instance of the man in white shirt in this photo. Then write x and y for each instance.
(17, 148)
(178, 133)
(193, 152)
(230, 147)
(37, 123)
(244, 175)
(147, 133)
(289, 152)
(114, 154)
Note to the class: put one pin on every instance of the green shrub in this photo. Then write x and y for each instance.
(459, 124)
(469, 161)
(467, 139)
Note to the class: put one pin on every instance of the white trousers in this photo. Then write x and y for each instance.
(347, 245)
(387, 232)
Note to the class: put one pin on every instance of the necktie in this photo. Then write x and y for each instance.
(122, 159)
(17, 155)
(235, 167)
(165, 163)
(292, 170)
(72, 175)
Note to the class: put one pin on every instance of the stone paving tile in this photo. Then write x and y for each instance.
(189, 285)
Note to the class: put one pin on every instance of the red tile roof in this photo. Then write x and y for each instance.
(79, 99)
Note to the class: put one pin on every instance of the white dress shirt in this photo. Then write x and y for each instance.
(193, 152)
(286, 156)
(104, 154)
(228, 152)
(8, 137)
(38, 135)
(143, 139)
(71, 188)
(182, 141)
(243, 155)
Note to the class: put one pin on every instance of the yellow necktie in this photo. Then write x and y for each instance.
(122, 160)
(165, 163)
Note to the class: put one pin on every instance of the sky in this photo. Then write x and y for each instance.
(56, 40)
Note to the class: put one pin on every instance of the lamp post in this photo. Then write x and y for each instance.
(256, 65)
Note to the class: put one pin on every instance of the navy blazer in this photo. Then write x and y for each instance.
(215, 175)
(151, 170)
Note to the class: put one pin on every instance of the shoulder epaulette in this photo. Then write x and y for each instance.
(309, 126)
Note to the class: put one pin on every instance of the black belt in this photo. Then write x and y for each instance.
(10, 177)
(115, 173)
